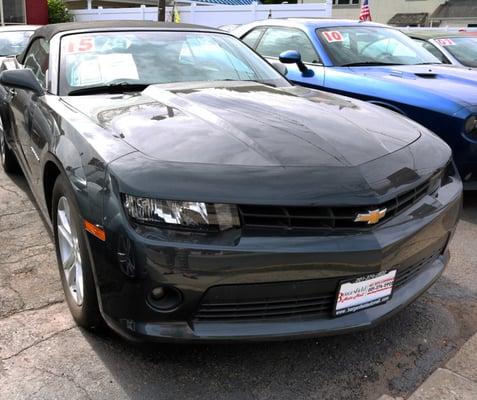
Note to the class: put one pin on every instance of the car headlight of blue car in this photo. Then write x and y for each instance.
(471, 128)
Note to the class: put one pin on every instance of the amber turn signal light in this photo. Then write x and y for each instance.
(95, 230)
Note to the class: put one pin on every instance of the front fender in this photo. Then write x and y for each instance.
(84, 175)
(79, 148)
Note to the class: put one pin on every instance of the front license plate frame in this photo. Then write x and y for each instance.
(364, 292)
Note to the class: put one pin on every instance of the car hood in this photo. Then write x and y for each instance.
(451, 82)
(249, 124)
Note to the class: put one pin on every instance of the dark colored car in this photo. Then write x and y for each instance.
(195, 194)
(381, 65)
(456, 48)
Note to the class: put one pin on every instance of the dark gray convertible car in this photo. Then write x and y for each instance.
(195, 194)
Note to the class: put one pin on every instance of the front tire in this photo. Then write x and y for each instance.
(7, 158)
(73, 259)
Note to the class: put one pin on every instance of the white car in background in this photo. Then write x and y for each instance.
(455, 48)
(14, 38)
(229, 27)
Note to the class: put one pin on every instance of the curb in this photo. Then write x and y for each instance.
(456, 381)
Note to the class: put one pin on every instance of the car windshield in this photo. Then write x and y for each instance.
(13, 42)
(108, 59)
(365, 45)
(462, 48)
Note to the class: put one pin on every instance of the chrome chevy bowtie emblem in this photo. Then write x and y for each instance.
(372, 217)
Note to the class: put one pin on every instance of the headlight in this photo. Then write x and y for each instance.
(471, 127)
(447, 175)
(450, 173)
(182, 214)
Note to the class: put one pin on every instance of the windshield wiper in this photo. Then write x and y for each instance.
(247, 80)
(261, 82)
(368, 64)
(110, 88)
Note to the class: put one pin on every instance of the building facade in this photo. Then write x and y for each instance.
(451, 13)
(33, 12)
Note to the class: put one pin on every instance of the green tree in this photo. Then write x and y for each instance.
(57, 12)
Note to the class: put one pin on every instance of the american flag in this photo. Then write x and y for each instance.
(365, 13)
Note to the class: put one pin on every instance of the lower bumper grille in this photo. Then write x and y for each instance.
(266, 309)
(284, 300)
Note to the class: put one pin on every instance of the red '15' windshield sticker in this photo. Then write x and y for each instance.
(445, 42)
(81, 45)
(333, 36)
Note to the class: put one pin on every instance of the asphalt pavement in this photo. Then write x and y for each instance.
(43, 355)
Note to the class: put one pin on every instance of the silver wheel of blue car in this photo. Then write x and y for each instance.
(70, 251)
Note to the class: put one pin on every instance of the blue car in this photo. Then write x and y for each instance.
(380, 65)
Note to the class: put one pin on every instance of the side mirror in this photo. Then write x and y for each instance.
(290, 57)
(21, 79)
(294, 57)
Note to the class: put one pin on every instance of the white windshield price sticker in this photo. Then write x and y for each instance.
(118, 66)
(105, 68)
(365, 292)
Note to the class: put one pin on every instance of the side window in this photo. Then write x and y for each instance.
(433, 50)
(37, 59)
(436, 52)
(278, 40)
(252, 37)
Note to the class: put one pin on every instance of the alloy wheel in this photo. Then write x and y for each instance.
(69, 251)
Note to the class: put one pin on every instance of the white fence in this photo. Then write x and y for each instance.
(210, 15)
(449, 29)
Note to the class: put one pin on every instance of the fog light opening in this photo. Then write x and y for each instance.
(164, 299)
(158, 293)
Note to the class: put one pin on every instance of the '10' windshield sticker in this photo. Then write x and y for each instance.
(333, 36)
(80, 45)
(445, 42)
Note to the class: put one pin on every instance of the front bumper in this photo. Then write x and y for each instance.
(258, 269)
(298, 328)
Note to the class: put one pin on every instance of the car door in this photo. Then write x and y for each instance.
(16, 99)
(39, 118)
(29, 110)
(271, 42)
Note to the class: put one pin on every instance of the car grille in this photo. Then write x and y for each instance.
(407, 274)
(221, 303)
(259, 219)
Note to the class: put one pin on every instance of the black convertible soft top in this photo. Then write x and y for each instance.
(48, 31)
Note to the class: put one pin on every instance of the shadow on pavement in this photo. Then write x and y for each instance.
(394, 357)
(470, 208)
(20, 181)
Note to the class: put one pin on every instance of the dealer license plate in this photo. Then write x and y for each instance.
(364, 292)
